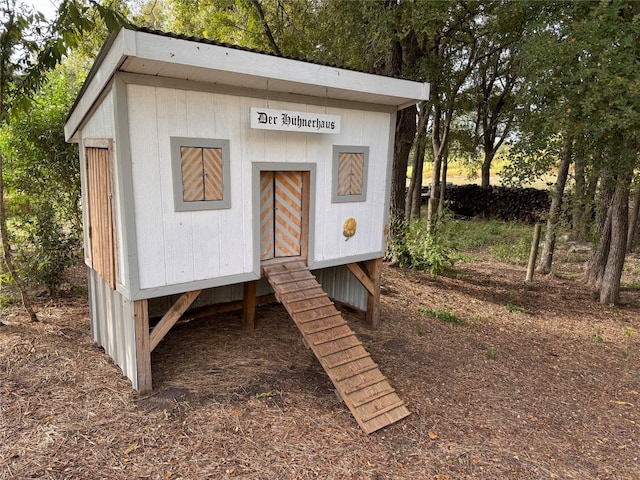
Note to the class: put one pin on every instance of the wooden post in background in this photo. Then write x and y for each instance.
(533, 255)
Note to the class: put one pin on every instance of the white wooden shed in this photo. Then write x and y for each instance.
(213, 174)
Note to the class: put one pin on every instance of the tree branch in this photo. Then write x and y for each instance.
(265, 25)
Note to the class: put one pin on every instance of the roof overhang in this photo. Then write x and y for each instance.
(146, 53)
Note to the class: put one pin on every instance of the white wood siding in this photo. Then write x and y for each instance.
(179, 247)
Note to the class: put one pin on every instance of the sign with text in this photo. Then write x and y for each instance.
(285, 120)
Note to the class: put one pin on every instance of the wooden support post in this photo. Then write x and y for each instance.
(143, 352)
(373, 297)
(249, 300)
(171, 317)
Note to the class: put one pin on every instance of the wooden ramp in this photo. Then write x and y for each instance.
(358, 381)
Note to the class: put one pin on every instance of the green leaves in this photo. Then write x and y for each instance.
(42, 184)
(30, 47)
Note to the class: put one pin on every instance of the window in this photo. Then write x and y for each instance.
(200, 173)
(349, 173)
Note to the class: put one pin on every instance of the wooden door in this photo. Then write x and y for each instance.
(101, 231)
(282, 214)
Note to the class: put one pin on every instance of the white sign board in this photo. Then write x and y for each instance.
(270, 119)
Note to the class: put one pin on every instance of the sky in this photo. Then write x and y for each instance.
(47, 7)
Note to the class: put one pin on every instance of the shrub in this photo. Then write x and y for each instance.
(46, 251)
(415, 248)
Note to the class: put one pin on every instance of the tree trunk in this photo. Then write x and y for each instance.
(443, 184)
(405, 134)
(434, 194)
(439, 139)
(485, 172)
(634, 215)
(579, 203)
(610, 288)
(594, 268)
(546, 259)
(590, 200)
(414, 195)
(404, 137)
(605, 197)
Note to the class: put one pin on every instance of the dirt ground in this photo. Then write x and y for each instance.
(537, 381)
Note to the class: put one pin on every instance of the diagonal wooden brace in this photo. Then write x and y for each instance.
(171, 317)
(369, 276)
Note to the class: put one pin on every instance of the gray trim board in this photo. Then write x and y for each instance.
(131, 276)
(86, 246)
(196, 285)
(97, 143)
(335, 262)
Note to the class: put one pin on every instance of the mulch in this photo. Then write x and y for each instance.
(536, 381)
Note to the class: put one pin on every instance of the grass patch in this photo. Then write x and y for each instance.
(632, 274)
(577, 257)
(509, 242)
(467, 257)
(491, 352)
(597, 337)
(516, 253)
(512, 308)
(6, 300)
(443, 314)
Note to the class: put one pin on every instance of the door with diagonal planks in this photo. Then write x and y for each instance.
(283, 214)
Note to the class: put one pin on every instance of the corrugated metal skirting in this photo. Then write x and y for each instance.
(341, 285)
(338, 282)
(112, 325)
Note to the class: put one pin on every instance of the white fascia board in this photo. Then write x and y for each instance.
(122, 46)
(218, 58)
